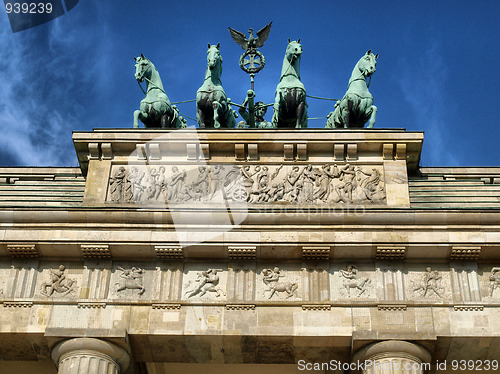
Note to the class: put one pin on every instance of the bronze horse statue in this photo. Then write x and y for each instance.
(356, 107)
(155, 109)
(290, 107)
(212, 107)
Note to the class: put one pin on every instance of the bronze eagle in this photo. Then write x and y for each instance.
(252, 42)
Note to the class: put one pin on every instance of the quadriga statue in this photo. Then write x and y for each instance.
(156, 111)
(356, 107)
(290, 107)
(212, 107)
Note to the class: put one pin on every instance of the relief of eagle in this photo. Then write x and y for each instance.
(252, 42)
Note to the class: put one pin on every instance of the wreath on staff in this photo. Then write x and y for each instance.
(252, 53)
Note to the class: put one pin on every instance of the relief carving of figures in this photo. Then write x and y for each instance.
(271, 278)
(293, 185)
(494, 280)
(370, 184)
(200, 188)
(58, 283)
(261, 187)
(234, 187)
(132, 279)
(255, 184)
(323, 181)
(308, 182)
(429, 284)
(120, 188)
(248, 176)
(352, 280)
(174, 185)
(151, 184)
(207, 281)
(217, 177)
(345, 189)
(136, 177)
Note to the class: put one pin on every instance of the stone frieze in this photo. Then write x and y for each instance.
(251, 283)
(252, 184)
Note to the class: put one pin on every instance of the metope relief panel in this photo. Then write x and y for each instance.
(207, 281)
(249, 184)
(132, 281)
(489, 281)
(59, 280)
(283, 283)
(353, 281)
(431, 283)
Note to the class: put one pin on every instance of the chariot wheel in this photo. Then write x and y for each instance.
(239, 194)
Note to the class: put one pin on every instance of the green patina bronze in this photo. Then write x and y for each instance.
(356, 107)
(251, 62)
(254, 117)
(156, 111)
(290, 107)
(212, 107)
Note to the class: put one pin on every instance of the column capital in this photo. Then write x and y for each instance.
(81, 346)
(393, 348)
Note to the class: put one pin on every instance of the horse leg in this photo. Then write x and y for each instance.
(217, 107)
(361, 289)
(163, 121)
(139, 115)
(347, 114)
(272, 292)
(329, 121)
(276, 108)
(372, 117)
(301, 109)
(300, 114)
(200, 116)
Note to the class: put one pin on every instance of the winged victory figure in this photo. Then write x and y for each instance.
(252, 42)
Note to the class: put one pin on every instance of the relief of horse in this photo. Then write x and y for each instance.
(271, 280)
(290, 107)
(361, 284)
(212, 105)
(156, 111)
(356, 107)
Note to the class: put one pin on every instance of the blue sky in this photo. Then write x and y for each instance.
(437, 72)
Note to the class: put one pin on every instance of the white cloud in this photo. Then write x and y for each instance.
(424, 87)
(48, 77)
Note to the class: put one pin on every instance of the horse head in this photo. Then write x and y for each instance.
(367, 63)
(143, 68)
(214, 58)
(293, 50)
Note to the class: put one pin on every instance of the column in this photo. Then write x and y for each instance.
(393, 357)
(89, 356)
